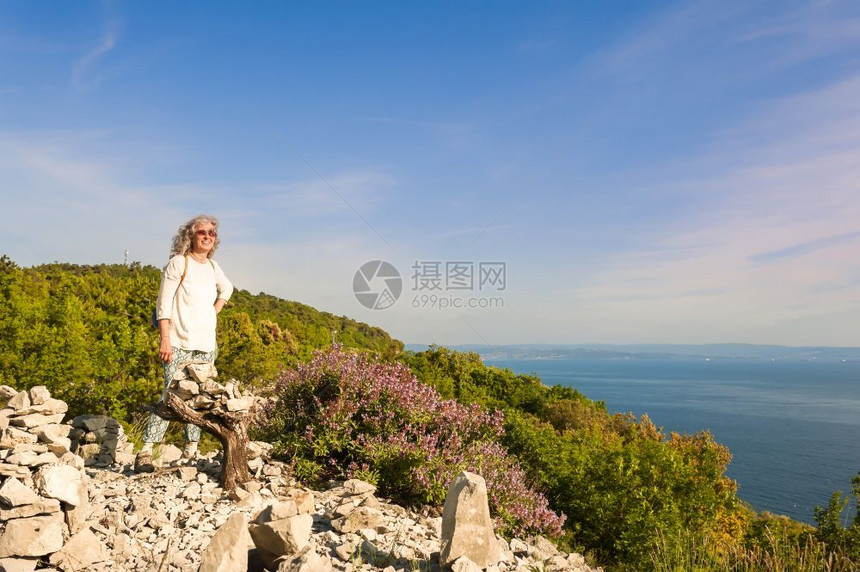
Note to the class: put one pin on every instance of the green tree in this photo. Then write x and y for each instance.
(832, 529)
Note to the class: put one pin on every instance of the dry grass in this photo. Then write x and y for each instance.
(694, 553)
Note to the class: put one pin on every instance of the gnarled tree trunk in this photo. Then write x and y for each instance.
(230, 428)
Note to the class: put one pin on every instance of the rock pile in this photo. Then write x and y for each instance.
(356, 531)
(181, 520)
(43, 490)
(58, 515)
(100, 440)
(194, 383)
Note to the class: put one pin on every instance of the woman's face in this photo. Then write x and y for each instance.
(204, 238)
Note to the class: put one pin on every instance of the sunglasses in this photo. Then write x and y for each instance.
(212, 233)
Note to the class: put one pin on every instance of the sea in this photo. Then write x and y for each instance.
(793, 427)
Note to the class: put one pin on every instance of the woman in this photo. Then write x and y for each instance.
(193, 290)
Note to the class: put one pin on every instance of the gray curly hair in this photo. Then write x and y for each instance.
(185, 235)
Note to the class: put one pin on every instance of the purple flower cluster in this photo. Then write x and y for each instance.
(356, 416)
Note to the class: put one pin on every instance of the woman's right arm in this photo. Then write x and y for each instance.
(165, 349)
(171, 276)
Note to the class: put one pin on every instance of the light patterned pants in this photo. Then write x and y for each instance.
(157, 427)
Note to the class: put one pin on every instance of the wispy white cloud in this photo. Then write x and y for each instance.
(809, 31)
(68, 196)
(363, 190)
(774, 239)
(651, 40)
(795, 33)
(83, 74)
(803, 248)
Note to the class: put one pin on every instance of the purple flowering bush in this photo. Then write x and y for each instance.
(346, 415)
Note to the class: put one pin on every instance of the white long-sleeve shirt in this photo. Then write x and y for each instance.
(191, 306)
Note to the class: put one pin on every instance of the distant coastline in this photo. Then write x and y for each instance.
(657, 351)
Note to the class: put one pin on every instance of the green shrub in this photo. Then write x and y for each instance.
(831, 525)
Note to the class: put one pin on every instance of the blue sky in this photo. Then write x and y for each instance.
(663, 172)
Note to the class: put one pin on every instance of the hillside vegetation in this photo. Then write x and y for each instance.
(85, 332)
(610, 485)
(634, 497)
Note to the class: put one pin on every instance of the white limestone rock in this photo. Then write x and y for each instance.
(36, 536)
(81, 551)
(185, 389)
(557, 563)
(361, 517)
(144, 521)
(23, 458)
(277, 510)
(255, 465)
(304, 500)
(370, 501)
(201, 372)
(60, 446)
(18, 564)
(213, 388)
(258, 449)
(9, 470)
(49, 406)
(240, 404)
(202, 401)
(34, 447)
(53, 432)
(285, 536)
(307, 561)
(345, 551)
(228, 549)
(519, 547)
(191, 492)
(169, 454)
(542, 548)
(42, 506)
(31, 458)
(39, 394)
(7, 392)
(357, 487)
(18, 401)
(15, 493)
(463, 564)
(343, 509)
(61, 482)
(72, 460)
(186, 474)
(251, 500)
(77, 515)
(230, 389)
(13, 436)
(467, 529)
(36, 420)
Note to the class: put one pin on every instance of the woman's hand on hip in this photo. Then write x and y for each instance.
(165, 351)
